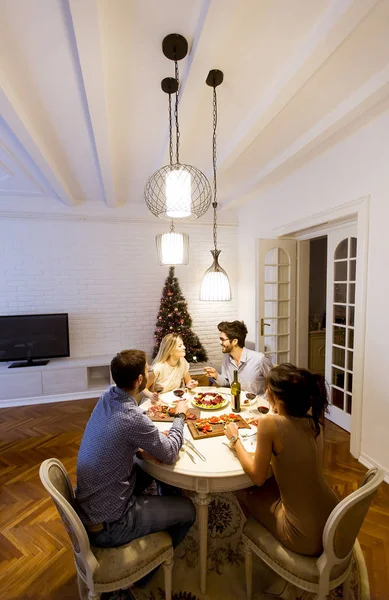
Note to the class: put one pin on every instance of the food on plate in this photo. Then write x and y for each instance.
(162, 411)
(205, 425)
(231, 418)
(252, 421)
(158, 411)
(209, 400)
(190, 416)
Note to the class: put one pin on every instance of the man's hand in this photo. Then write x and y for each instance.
(231, 429)
(166, 432)
(182, 407)
(211, 372)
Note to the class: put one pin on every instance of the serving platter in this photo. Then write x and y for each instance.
(165, 414)
(216, 429)
(210, 400)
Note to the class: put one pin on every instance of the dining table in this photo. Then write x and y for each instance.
(218, 471)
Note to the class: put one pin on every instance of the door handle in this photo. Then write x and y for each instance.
(263, 325)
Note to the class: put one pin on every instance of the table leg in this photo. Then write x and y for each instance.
(202, 499)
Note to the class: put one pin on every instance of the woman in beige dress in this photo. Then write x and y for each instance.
(169, 369)
(295, 503)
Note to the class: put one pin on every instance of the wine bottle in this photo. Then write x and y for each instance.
(235, 393)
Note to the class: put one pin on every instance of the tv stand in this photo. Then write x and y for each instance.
(29, 363)
(61, 379)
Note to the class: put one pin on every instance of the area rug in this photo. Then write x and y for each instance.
(226, 575)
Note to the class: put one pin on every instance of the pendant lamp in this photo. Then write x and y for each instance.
(173, 247)
(177, 191)
(215, 286)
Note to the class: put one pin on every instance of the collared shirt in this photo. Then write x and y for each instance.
(117, 428)
(252, 371)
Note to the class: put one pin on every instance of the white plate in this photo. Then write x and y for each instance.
(226, 401)
(250, 402)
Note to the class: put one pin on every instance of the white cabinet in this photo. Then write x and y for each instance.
(60, 379)
(24, 384)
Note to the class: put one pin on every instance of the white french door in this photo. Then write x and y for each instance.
(340, 318)
(276, 299)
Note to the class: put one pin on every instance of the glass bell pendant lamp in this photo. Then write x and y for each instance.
(215, 286)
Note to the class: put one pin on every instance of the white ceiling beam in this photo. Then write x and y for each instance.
(85, 20)
(16, 119)
(336, 23)
(371, 93)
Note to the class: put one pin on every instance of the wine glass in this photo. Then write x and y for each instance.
(158, 389)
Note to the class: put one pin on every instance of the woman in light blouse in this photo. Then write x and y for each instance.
(169, 368)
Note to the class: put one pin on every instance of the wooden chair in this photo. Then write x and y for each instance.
(320, 574)
(104, 569)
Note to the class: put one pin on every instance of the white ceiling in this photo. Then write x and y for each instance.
(84, 121)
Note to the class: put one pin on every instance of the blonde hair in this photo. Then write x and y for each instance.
(167, 347)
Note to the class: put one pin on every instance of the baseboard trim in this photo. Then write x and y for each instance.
(50, 399)
(369, 463)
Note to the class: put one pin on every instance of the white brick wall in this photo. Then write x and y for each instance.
(106, 276)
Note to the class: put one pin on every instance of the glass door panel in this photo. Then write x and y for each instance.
(342, 249)
(276, 294)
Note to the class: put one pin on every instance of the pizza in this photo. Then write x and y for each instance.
(209, 400)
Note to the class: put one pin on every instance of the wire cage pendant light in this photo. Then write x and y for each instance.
(215, 285)
(176, 191)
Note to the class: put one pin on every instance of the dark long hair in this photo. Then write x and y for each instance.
(303, 393)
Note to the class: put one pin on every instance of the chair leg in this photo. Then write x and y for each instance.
(324, 586)
(347, 587)
(248, 562)
(82, 588)
(167, 571)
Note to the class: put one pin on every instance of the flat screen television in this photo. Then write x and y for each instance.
(28, 338)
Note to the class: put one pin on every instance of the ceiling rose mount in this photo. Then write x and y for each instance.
(175, 46)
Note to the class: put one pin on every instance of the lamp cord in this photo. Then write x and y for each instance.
(214, 162)
(177, 76)
(170, 131)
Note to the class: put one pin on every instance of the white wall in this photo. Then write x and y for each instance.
(106, 276)
(355, 167)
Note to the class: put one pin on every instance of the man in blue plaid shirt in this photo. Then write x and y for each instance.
(109, 483)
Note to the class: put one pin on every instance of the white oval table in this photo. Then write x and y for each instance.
(222, 471)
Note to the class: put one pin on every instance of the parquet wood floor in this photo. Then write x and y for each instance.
(36, 561)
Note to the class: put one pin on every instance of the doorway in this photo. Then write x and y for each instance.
(356, 214)
(317, 305)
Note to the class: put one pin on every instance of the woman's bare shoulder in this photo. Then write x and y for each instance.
(268, 422)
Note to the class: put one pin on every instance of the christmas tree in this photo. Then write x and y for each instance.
(173, 317)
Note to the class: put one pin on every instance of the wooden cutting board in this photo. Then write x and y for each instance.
(216, 429)
(168, 419)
